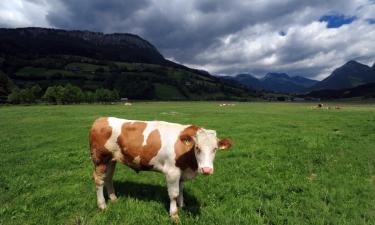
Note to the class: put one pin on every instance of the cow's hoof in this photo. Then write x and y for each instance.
(180, 202)
(175, 218)
(113, 197)
(102, 206)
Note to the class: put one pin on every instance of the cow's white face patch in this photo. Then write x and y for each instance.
(205, 150)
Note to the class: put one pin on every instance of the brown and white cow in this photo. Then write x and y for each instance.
(178, 151)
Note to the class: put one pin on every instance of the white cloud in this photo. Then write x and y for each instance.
(311, 50)
(19, 13)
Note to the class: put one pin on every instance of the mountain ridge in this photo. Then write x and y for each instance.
(276, 82)
(92, 60)
(349, 75)
(35, 40)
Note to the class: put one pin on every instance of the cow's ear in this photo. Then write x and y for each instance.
(224, 143)
(187, 140)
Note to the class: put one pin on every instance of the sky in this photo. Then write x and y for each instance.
(308, 38)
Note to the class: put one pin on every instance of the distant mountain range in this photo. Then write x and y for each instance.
(92, 60)
(350, 75)
(276, 82)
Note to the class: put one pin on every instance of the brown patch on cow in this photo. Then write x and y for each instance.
(99, 134)
(99, 174)
(224, 144)
(153, 144)
(184, 149)
(135, 155)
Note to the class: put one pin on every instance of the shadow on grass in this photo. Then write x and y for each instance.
(152, 192)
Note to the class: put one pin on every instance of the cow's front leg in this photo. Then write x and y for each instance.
(180, 198)
(173, 179)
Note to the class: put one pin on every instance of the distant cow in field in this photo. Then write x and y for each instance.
(226, 104)
(178, 151)
(321, 106)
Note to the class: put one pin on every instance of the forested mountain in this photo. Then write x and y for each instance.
(43, 41)
(91, 60)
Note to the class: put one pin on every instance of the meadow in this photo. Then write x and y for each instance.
(290, 164)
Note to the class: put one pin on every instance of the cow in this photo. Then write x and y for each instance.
(178, 151)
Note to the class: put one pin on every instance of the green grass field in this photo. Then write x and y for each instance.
(290, 164)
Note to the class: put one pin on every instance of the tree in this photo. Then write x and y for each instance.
(62, 95)
(89, 97)
(54, 94)
(37, 91)
(103, 95)
(14, 96)
(27, 96)
(6, 85)
(72, 94)
(115, 95)
(106, 95)
(49, 95)
(18, 96)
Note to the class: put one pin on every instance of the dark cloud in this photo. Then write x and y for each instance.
(182, 32)
(96, 15)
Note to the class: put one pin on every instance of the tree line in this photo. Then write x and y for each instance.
(60, 94)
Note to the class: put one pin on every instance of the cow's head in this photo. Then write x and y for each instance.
(205, 145)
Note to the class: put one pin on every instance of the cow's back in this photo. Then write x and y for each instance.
(142, 145)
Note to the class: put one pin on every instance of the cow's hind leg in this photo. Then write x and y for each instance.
(99, 176)
(180, 198)
(109, 180)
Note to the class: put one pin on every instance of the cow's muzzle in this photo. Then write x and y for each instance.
(207, 170)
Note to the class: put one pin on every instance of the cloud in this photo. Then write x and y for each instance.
(20, 13)
(95, 15)
(310, 50)
(223, 37)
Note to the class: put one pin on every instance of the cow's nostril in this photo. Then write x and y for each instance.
(207, 170)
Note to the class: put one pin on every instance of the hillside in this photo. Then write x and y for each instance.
(363, 91)
(247, 80)
(91, 60)
(282, 82)
(350, 75)
(276, 82)
(303, 81)
(43, 41)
